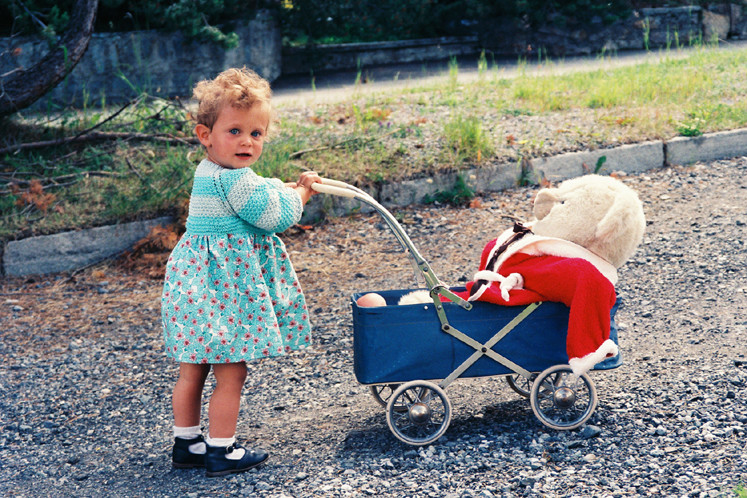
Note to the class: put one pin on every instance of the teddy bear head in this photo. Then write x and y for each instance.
(597, 212)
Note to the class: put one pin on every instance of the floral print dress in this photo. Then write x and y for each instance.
(230, 292)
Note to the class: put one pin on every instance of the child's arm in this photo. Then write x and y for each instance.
(264, 203)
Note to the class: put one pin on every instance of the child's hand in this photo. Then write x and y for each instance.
(307, 178)
(303, 185)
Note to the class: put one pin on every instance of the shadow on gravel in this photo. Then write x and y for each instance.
(376, 439)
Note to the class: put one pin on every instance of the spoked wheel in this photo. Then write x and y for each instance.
(418, 412)
(520, 384)
(562, 401)
(523, 386)
(383, 392)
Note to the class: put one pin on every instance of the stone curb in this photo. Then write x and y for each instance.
(628, 158)
(683, 150)
(74, 250)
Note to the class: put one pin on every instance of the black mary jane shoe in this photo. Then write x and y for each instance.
(217, 463)
(182, 458)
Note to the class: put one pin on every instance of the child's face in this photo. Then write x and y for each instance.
(237, 136)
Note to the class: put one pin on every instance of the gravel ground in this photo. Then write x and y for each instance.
(85, 407)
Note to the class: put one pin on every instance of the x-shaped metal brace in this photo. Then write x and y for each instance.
(483, 349)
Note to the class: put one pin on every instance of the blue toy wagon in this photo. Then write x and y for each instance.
(409, 354)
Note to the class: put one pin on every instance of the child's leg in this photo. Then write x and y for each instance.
(224, 455)
(189, 446)
(186, 400)
(223, 410)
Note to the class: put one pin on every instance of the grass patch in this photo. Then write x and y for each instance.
(465, 140)
(411, 132)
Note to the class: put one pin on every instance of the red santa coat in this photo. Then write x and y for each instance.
(519, 268)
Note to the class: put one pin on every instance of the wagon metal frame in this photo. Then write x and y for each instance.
(418, 410)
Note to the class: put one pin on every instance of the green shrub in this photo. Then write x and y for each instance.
(459, 195)
(318, 21)
(208, 20)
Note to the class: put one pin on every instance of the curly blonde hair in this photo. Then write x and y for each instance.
(239, 88)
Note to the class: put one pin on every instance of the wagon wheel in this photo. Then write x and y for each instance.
(520, 384)
(382, 392)
(561, 400)
(523, 386)
(418, 412)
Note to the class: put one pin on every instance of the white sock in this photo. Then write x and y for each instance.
(187, 432)
(225, 442)
(191, 433)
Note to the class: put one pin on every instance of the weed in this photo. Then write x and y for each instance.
(466, 140)
(482, 65)
(459, 195)
(516, 112)
(453, 73)
(600, 164)
(526, 173)
(646, 33)
(690, 128)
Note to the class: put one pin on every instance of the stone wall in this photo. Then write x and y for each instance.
(650, 28)
(303, 60)
(117, 66)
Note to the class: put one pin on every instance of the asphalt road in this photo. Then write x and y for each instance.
(334, 85)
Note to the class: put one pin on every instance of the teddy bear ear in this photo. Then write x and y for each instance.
(544, 202)
(613, 220)
(618, 233)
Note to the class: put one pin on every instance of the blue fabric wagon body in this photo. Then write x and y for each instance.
(397, 344)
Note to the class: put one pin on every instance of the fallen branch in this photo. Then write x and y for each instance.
(55, 181)
(337, 145)
(98, 136)
(100, 124)
(134, 169)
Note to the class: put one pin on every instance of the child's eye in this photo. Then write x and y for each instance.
(234, 131)
(256, 133)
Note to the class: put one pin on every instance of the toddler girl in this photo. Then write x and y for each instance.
(230, 293)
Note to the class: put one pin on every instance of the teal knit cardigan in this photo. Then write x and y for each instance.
(239, 201)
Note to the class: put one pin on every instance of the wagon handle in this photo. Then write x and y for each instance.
(332, 187)
(342, 189)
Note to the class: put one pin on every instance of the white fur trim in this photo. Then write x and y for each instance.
(488, 275)
(536, 245)
(548, 246)
(582, 365)
(513, 281)
(509, 283)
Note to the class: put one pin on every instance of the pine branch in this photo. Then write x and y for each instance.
(337, 145)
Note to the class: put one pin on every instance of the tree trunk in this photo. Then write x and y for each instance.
(26, 86)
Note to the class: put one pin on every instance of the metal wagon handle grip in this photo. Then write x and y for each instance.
(329, 188)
